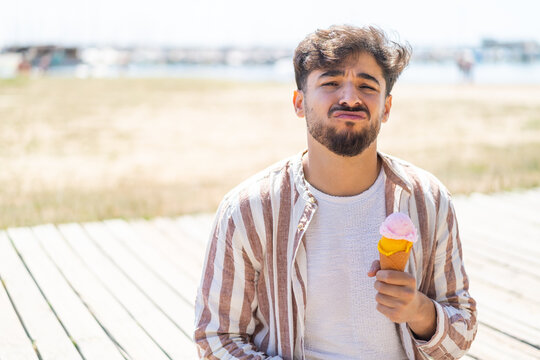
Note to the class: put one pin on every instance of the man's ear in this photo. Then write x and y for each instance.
(387, 106)
(298, 102)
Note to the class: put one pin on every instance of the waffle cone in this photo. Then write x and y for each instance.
(396, 261)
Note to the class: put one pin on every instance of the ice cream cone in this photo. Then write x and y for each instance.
(396, 261)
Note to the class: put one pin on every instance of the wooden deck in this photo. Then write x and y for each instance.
(125, 289)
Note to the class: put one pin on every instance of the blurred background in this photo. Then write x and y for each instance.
(141, 109)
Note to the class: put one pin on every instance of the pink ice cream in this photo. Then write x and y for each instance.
(399, 226)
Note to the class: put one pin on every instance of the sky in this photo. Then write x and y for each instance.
(212, 23)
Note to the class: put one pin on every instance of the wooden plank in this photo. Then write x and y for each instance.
(502, 280)
(517, 283)
(506, 238)
(17, 345)
(85, 332)
(160, 328)
(112, 316)
(525, 199)
(184, 243)
(145, 251)
(507, 262)
(192, 230)
(517, 328)
(168, 249)
(507, 206)
(498, 247)
(493, 345)
(162, 261)
(41, 323)
(521, 276)
(506, 307)
(199, 226)
(502, 240)
(165, 298)
(494, 228)
(521, 205)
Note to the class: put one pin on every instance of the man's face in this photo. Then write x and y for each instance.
(344, 106)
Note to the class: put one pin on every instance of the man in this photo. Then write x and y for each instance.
(291, 269)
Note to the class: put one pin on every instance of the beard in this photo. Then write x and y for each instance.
(347, 142)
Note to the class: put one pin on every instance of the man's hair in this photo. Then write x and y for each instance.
(331, 47)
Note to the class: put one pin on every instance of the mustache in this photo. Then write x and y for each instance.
(348, 108)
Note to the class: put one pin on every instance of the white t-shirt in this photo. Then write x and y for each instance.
(342, 321)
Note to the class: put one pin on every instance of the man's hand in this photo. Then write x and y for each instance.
(400, 301)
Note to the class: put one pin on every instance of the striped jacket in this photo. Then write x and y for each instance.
(252, 298)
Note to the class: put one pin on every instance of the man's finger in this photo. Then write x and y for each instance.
(375, 267)
(395, 277)
(388, 301)
(397, 291)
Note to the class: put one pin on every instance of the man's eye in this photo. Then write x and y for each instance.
(367, 87)
(330, 83)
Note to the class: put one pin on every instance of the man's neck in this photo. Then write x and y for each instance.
(338, 175)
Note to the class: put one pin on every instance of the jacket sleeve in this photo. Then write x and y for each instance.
(456, 309)
(226, 298)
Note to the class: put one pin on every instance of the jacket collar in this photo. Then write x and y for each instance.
(395, 172)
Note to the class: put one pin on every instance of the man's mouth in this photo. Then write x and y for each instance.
(350, 115)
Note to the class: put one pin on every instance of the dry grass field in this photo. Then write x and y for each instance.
(79, 150)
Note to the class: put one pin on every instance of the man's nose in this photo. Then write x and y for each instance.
(349, 96)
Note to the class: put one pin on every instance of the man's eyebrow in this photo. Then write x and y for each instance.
(368, 77)
(331, 73)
